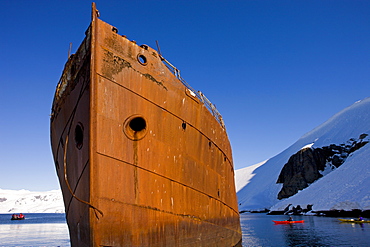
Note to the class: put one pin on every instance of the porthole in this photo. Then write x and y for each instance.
(142, 59)
(79, 135)
(135, 127)
(137, 124)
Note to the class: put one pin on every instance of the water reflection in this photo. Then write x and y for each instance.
(259, 230)
(249, 236)
(34, 235)
(301, 235)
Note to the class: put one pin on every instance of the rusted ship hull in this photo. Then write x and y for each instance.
(140, 158)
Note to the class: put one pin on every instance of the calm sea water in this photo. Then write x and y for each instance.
(35, 230)
(258, 230)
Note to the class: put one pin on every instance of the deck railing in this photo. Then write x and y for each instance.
(211, 107)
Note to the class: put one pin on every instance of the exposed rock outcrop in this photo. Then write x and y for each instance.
(310, 164)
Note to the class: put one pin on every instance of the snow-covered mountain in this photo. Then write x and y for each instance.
(24, 201)
(342, 188)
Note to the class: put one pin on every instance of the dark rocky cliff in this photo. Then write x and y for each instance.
(308, 164)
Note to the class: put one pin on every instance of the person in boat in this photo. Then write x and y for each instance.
(290, 218)
(21, 216)
(360, 218)
(14, 216)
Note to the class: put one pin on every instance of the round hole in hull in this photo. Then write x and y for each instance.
(142, 59)
(135, 127)
(79, 135)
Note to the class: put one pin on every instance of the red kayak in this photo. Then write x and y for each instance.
(288, 221)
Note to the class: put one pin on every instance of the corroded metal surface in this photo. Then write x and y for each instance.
(140, 159)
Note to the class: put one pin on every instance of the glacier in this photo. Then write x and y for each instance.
(345, 188)
(25, 201)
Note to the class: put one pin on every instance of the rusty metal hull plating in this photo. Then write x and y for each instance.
(140, 159)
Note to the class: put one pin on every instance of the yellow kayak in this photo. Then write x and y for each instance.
(354, 221)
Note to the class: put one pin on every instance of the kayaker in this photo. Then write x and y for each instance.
(290, 218)
(360, 218)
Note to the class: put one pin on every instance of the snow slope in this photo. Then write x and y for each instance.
(344, 188)
(24, 201)
(244, 175)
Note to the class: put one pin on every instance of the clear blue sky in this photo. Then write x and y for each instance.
(274, 69)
